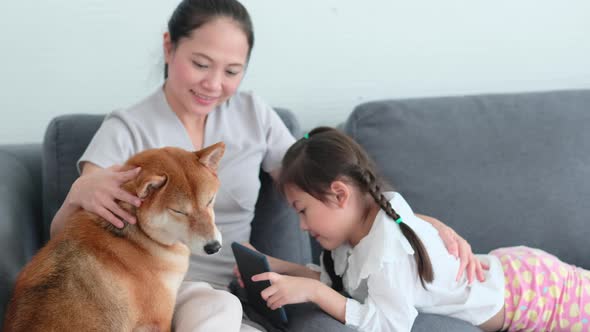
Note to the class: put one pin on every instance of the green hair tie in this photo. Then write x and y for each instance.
(306, 136)
(399, 220)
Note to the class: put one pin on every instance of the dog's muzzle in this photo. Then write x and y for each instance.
(212, 247)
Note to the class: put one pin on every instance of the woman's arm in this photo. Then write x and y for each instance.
(292, 269)
(275, 174)
(458, 247)
(96, 191)
(283, 267)
(59, 220)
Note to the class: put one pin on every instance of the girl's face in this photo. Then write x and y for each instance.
(205, 69)
(331, 223)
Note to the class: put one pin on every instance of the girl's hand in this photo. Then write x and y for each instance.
(97, 191)
(287, 289)
(236, 272)
(458, 247)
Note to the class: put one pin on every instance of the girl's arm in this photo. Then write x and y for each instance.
(288, 289)
(388, 306)
(332, 302)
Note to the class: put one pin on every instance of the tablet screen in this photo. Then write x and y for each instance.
(250, 263)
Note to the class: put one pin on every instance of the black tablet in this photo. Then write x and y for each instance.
(250, 263)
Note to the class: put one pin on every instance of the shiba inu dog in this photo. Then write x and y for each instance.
(96, 277)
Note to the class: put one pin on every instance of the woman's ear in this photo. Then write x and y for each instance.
(167, 44)
(341, 193)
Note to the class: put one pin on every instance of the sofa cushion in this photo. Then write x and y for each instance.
(275, 226)
(502, 170)
(20, 213)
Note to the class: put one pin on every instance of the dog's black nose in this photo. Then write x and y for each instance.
(212, 247)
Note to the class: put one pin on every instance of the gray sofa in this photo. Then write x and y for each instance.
(500, 169)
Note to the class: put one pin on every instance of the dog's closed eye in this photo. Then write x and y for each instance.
(178, 212)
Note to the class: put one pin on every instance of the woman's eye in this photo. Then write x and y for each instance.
(302, 211)
(231, 73)
(200, 65)
(210, 201)
(177, 211)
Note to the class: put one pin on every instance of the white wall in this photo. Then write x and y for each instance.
(319, 58)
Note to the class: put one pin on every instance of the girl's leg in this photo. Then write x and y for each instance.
(200, 307)
(543, 293)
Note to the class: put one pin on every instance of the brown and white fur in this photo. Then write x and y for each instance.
(96, 277)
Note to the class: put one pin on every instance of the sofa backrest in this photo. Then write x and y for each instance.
(275, 226)
(503, 170)
(66, 138)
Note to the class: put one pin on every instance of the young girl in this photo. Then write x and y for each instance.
(393, 264)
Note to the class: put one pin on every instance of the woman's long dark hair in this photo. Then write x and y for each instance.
(326, 155)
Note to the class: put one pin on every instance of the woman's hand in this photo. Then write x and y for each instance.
(97, 191)
(236, 271)
(458, 247)
(287, 289)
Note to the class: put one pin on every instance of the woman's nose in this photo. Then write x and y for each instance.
(213, 80)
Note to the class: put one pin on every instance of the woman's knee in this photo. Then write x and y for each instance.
(203, 298)
(207, 309)
(229, 303)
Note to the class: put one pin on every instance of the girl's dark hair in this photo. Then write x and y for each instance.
(192, 14)
(326, 155)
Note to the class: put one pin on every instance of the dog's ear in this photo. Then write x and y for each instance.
(211, 155)
(149, 184)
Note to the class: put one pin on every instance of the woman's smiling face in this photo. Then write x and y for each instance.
(205, 69)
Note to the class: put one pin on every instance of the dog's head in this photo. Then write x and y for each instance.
(178, 189)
